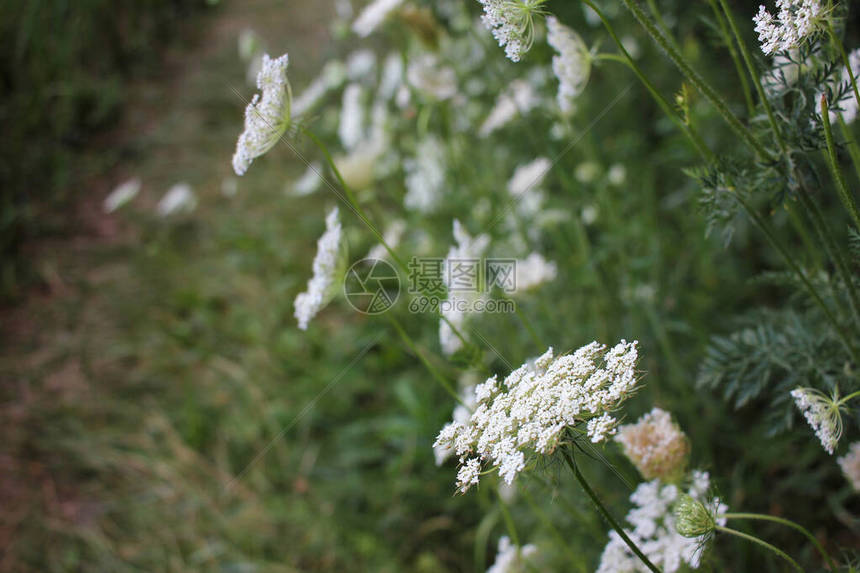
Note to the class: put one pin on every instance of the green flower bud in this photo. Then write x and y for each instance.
(692, 518)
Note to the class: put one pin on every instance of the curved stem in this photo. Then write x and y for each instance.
(764, 544)
(787, 523)
(848, 398)
(694, 78)
(721, 20)
(661, 101)
(605, 513)
(841, 184)
(414, 347)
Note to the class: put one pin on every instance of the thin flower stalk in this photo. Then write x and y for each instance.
(627, 59)
(775, 550)
(605, 512)
(733, 52)
(841, 185)
(694, 78)
(788, 523)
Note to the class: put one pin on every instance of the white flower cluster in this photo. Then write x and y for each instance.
(466, 248)
(572, 65)
(427, 75)
(350, 130)
(822, 414)
(511, 23)
(331, 77)
(122, 195)
(326, 264)
(179, 199)
(533, 271)
(520, 98)
(654, 530)
(532, 408)
(425, 176)
(795, 21)
(655, 444)
(528, 175)
(512, 559)
(850, 464)
(373, 16)
(462, 413)
(266, 117)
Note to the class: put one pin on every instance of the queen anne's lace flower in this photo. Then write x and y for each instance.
(512, 24)
(520, 98)
(266, 117)
(122, 195)
(654, 530)
(850, 464)
(454, 312)
(822, 413)
(530, 410)
(533, 271)
(572, 65)
(425, 176)
(179, 199)
(795, 21)
(373, 16)
(326, 267)
(655, 444)
(512, 559)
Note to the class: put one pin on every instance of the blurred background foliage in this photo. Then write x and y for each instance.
(161, 410)
(66, 67)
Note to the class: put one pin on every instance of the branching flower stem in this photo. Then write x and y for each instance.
(764, 544)
(605, 513)
(841, 184)
(626, 59)
(424, 360)
(788, 523)
(696, 80)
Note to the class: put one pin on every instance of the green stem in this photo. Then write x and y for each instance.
(694, 78)
(830, 247)
(356, 207)
(838, 43)
(841, 185)
(764, 544)
(661, 101)
(721, 20)
(415, 350)
(786, 256)
(851, 143)
(754, 75)
(605, 513)
(848, 398)
(787, 523)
